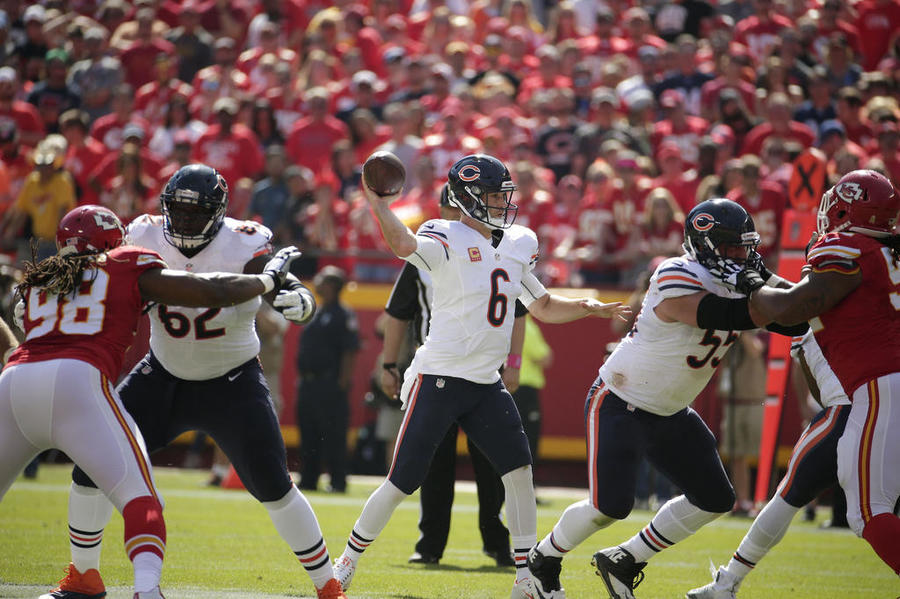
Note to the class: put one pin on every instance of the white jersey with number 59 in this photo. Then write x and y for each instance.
(203, 343)
(475, 289)
(661, 366)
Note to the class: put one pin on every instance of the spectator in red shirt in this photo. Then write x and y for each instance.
(661, 230)
(153, 98)
(15, 155)
(309, 142)
(131, 192)
(778, 123)
(229, 147)
(877, 21)
(109, 129)
(731, 77)
(604, 43)
(765, 201)
(22, 115)
(678, 128)
(889, 150)
(849, 112)
(760, 31)
(829, 23)
(230, 80)
(139, 56)
(547, 76)
(83, 154)
(681, 182)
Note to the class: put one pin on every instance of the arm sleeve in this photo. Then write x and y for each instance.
(432, 247)
(403, 303)
(723, 314)
(532, 289)
(788, 331)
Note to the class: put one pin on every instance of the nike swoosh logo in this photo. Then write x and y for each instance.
(231, 378)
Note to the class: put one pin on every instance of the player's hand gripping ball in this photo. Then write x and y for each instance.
(384, 173)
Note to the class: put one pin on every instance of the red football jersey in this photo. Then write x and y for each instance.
(97, 324)
(860, 336)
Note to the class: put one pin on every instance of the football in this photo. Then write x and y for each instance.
(384, 173)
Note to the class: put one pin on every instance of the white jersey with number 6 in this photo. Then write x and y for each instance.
(475, 289)
(203, 343)
(661, 366)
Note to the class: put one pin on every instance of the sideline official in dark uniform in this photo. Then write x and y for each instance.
(325, 367)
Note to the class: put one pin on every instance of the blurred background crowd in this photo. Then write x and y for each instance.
(614, 116)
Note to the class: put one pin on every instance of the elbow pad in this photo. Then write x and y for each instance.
(795, 330)
(723, 314)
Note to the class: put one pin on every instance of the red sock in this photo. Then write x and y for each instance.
(145, 529)
(883, 534)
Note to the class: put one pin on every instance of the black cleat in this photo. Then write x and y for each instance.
(423, 558)
(620, 573)
(546, 570)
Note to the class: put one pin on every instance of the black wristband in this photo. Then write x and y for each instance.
(389, 365)
(794, 330)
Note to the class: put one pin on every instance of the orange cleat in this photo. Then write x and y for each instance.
(331, 590)
(76, 585)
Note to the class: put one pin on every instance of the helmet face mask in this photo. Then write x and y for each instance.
(718, 234)
(89, 230)
(481, 186)
(193, 206)
(863, 201)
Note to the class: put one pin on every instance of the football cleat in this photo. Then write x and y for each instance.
(344, 569)
(331, 590)
(620, 573)
(723, 586)
(154, 594)
(526, 589)
(546, 571)
(423, 558)
(503, 558)
(75, 585)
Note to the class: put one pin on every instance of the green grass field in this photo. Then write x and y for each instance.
(221, 544)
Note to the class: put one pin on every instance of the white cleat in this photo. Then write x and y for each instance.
(526, 589)
(344, 569)
(154, 594)
(723, 586)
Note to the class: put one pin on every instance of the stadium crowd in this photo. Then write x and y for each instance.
(616, 117)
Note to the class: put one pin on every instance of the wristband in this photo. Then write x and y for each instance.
(268, 282)
(514, 361)
(389, 365)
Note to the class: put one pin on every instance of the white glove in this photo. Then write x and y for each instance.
(279, 265)
(19, 315)
(297, 305)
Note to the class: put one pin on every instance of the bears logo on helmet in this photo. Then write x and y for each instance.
(89, 229)
(478, 178)
(703, 222)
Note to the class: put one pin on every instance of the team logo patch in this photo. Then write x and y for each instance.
(474, 255)
(469, 172)
(703, 222)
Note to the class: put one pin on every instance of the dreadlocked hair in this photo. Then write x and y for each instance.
(57, 275)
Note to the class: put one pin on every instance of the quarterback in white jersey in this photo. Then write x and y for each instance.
(638, 406)
(202, 372)
(479, 266)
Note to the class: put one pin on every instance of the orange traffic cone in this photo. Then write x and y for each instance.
(232, 480)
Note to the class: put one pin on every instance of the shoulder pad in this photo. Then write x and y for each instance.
(140, 256)
(142, 223)
(843, 247)
(250, 234)
(433, 225)
(679, 276)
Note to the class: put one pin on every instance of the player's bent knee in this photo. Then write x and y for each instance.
(721, 502)
(145, 528)
(79, 477)
(617, 509)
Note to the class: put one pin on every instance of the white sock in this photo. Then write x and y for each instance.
(578, 522)
(374, 517)
(521, 515)
(147, 571)
(675, 521)
(767, 531)
(296, 522)
(221, 470)
(89, 513)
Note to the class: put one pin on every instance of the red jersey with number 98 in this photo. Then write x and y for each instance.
(97, 324)
(860, 336)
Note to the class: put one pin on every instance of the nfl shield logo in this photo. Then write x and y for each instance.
(474, 255)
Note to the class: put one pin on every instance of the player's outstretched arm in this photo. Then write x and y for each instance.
(815, 294)
(213, 290)
(557, 309)
(401, 240)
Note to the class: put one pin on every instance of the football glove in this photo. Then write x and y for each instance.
(280, 264)
(745, 281)
(296, 305)
(19, 315)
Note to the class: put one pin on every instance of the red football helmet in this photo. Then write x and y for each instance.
(862, 201)
(89, 230)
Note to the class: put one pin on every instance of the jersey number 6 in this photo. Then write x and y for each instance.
(496, 313)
